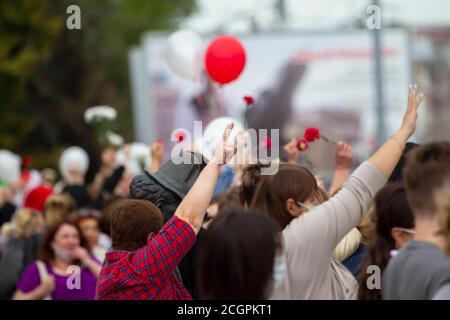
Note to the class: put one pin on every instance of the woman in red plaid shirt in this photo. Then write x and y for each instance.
(146, 253)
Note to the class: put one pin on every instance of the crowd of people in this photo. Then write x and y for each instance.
(212, 229)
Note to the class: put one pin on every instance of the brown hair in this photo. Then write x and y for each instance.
(321, 195)
(230, 201)
(391, 210)
(426, 169)
(291, 181)
(237, 257)
(131, 223)
(57, 208)
(26, 223)
(104, 222)
(251, 175)
(46, 253)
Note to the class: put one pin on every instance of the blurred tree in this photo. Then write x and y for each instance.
(49, 74)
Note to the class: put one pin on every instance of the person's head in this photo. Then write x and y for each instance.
(122, 188)
(58, 207)
(242, 248)
(251, 175)
(48, 176)
(133, 223)
(230, 201)
(105, 219)
(79, 195)
(227, 201)
(394, 226)
(285, 195)
(26, 223)
(35, 199)
(144, 187)
(90, 229)
(397, 174)
(109, 157)
(169, 185)
(321, 196)
(394, 219)
(60, 242)
(427, 167)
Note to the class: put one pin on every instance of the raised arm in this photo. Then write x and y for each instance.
(332, 220)
(193, 207)
(387, 156)
(344, 157)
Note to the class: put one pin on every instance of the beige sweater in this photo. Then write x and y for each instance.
(309, 241)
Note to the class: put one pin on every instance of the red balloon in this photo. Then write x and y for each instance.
(225, 59)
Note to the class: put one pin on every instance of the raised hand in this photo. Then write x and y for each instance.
(225, 151)
(80, 253)
(157, 150)
(344, 156)
(290, 149)
(415, 99)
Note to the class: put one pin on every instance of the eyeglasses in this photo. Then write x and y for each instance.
(407, 230)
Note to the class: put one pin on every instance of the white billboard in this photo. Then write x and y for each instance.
(298, 80)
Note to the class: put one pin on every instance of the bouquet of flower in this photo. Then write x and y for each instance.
(102, 118)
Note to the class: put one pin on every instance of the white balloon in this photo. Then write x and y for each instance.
(73, 158)
(213, 134)
(9, 166)
(184, 54)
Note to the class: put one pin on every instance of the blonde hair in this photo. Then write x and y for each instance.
(442, 198)
(24, 224)
(321, 195)
(367, 225)
(58, 207)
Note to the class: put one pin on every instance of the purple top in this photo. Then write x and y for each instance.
(31, 279)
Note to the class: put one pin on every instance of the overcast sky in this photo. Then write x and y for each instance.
(235, 15)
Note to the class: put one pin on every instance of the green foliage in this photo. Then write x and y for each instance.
(49, 75)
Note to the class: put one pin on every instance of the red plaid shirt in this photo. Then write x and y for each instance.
(148, 273)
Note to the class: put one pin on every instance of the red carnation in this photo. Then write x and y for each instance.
(249, 100)
(302, 145)
(311, 134)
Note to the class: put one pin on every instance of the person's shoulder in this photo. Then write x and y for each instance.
(32, 269)
(176, 222)
(443, 293)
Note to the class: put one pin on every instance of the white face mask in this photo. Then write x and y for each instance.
(61, 253)
(279, 270)
(306, 206)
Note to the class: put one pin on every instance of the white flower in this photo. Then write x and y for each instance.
(114, 139)
(100, 113)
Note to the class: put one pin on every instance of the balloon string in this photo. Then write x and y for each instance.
(222, 100)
